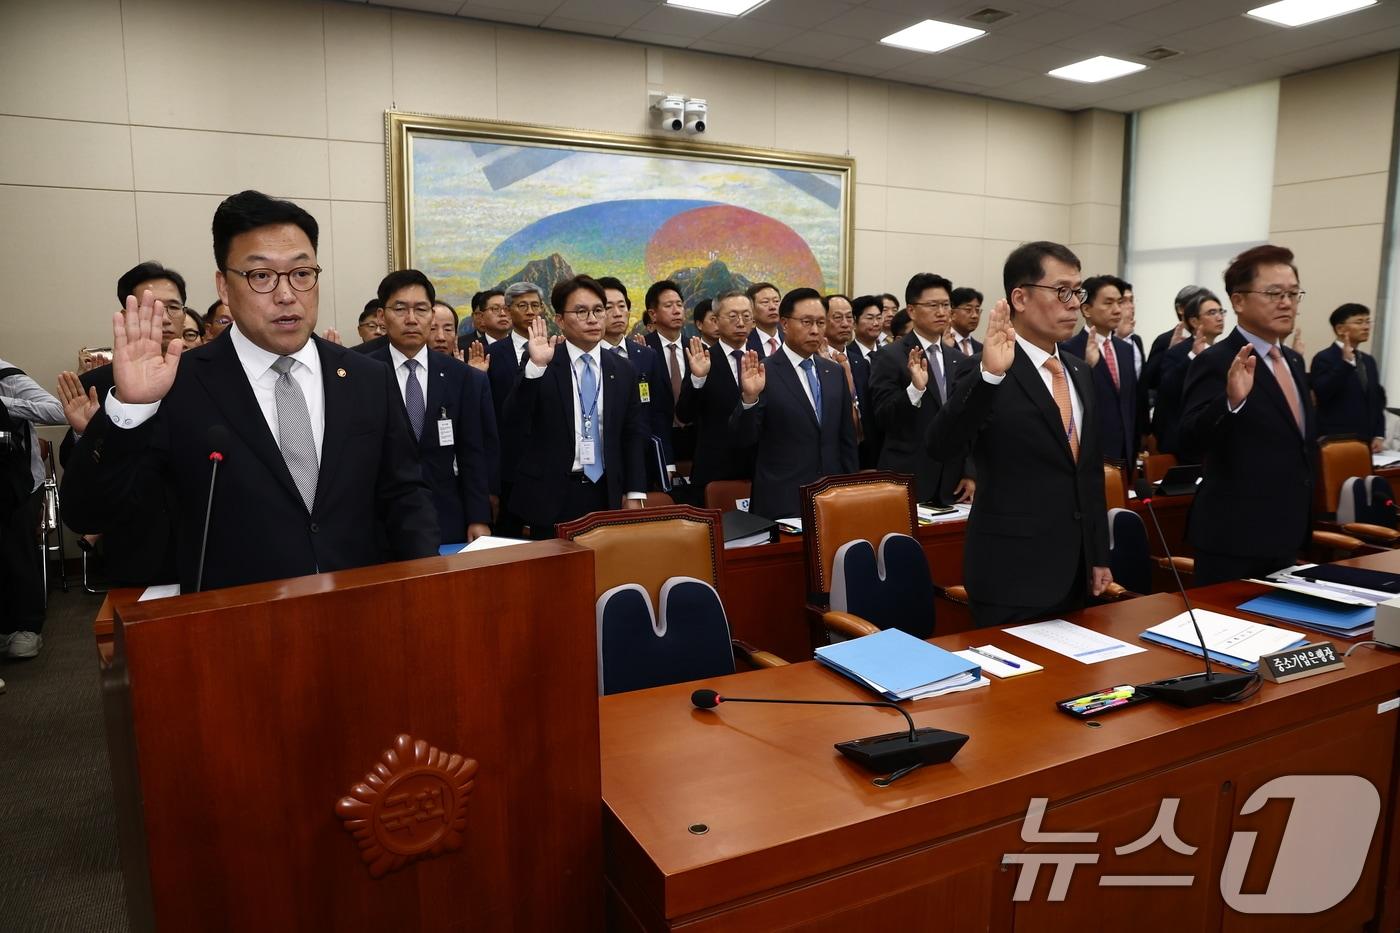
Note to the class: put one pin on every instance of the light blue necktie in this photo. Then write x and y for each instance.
(413, 399)
(588, 410)
(810, 365)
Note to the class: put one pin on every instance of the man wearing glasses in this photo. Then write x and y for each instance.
(319, 468)
(1247, 409)
(795, 408)
(869, 316)
(1350, 397)
(1205, 319)
(448, 405)
(711, 392)
(524, 303)
(1111, 360)
(1037, 540)
(577, 416)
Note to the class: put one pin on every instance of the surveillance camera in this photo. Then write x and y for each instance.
(696, 115)
(672, 109)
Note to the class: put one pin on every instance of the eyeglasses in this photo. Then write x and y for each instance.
(534, 306)
(1062, 292)
(1213, 312)
(811, 323)
(403, 310)
(1276, 295)
(222, 321)
(932, 305)
(738, 317)
(265, 281)
(588, 314)
(190, 335)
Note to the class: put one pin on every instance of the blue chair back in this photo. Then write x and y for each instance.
(637, 648)
(891, 590)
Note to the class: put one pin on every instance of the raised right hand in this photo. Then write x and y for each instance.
(752, 377)
(1348, 351)
(78, 406)
(918, 369)
(1240, 379)
(142, 372)
(476, 356)
(1092, 352)
(540, 346)
(1179, 333)
(1199, 345)
(999, 349)
(699, 359)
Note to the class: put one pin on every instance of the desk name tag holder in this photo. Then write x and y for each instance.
(1317, 657)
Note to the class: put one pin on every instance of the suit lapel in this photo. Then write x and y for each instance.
(433, 401)
(227, 384)
(1025, 374)
(788, 377)
(339, 411)
(614, 404)
(829, 378)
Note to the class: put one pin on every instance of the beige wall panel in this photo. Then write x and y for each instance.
(1094, 223)
(256, 66)
(1330, 202)
(922, 122)
(957, 258)
(868, 117)
(743, 93)
(63, 59)
(1029, 152)
(361, 260)
(85, 238)
(811, 109)
(936, 212)
(603, 86)
(197, 162)
(448, 66)
(1336, 121)
(994, 253)
(64, 154)
(359, 71)
(1024, 221)
(1098, 157)
(869, 263)
(1096, 258)
(357, 171)
(1335, 266)
(870, 201)
(174, 230)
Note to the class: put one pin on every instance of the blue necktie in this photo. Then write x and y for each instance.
(810, 365)
(588, 411)
(413, 399)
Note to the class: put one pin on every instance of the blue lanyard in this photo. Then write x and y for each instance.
(586, 414)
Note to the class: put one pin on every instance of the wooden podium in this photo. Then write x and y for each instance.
(412, 746)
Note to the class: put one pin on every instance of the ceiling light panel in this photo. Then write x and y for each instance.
(1302, 12)
(1094, 70)
(933, 36)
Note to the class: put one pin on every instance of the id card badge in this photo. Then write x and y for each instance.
(445, 438)
(587, 456)
(644, 391)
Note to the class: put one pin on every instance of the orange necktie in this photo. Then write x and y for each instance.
(1060, 389)
(1285, 382)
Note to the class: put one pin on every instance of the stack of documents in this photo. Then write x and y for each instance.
(1385, 458)
(1074, 641)
(899, 666)
(1329, 599)
(957, 512)
(1236, 642)
(745, 529)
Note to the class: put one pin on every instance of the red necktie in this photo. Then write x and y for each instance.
(1110, 356)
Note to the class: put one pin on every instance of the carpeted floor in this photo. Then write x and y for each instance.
(58, 838)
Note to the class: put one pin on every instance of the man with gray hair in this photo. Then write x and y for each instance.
(1151, 376)
(504, 360)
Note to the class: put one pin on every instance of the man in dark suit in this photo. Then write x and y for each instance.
(909, 382)
(1127, 326)
(1151, 374)
(711, 393)
(1205, 319)
(767, 334)
(868, 315)
(579, 417)
(319, 471)
(1248, 410)
(666, 311)
(1111, 361)
(449, 411)
(796, 408)
(653, 380)
(967, 314)
(139, 551)
(1037, 540)
(1350, 397)
(504, 360)
(371, 322)
(490, 320)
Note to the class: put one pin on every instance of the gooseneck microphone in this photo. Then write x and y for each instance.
(893, 751)
(216, 438)
(1190, 689)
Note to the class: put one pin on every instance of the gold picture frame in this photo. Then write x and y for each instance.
(817, 189)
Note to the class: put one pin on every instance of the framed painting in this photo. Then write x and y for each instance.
(477, 204)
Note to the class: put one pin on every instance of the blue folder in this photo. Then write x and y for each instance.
(1322, 614)
(897, 665)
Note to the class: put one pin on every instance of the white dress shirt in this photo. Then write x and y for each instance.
(421, 375)
(257, 366)
(1038, 357)
(797, 361)
(518, 342)
(724, 348)
(767, 341)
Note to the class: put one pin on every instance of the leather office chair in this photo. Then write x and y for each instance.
(837, 510)
(723, 493)
(649, 547)
(1339, 459)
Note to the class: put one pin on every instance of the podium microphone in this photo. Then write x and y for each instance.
(1190, 689)
(217, 438)
(892, 752)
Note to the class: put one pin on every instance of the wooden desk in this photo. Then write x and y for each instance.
(765, 587)
(799, 838)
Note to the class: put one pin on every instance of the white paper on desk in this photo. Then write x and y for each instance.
(792, 526)
(961, 510)
(989, 658)
(1385, 458)
(487, 542)
(1228, 635)
(1074, 641)
(957, 688)
(1346, 595)
(161, 591)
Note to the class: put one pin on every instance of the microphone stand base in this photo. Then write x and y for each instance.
(1196, 689)
(893, 751)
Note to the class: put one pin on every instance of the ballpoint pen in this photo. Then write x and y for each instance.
(988, 654)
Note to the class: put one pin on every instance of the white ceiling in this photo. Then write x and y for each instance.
(1220, 48)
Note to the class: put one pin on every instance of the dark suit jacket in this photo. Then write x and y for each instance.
(718, 455)
(465, 341)
(1166, 415)
(1040, 514)
(1343, 405)
(373, 344)
(1118, 435)
(792, 447)
(1256, 498)
(872, 437)
(540, 414)
(658, 407)
(679, 442)
(905, 428)
(137, 551)
(371, 502)
(976, 344)
(460, 474)
(757, 338)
